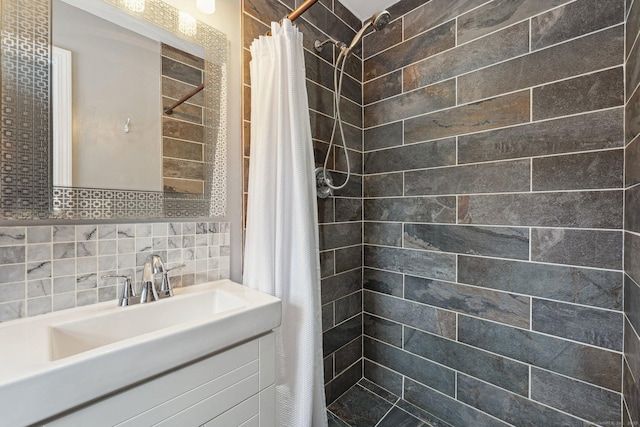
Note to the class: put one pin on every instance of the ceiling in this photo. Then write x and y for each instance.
(364, 9)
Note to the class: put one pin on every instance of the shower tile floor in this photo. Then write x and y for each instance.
(367, 405)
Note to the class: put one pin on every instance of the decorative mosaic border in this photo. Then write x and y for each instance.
(24, 151)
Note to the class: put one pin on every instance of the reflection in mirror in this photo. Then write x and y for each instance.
(112, 76)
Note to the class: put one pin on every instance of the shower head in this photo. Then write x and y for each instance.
(378, 21)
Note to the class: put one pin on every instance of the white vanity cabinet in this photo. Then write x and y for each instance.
(233, 387)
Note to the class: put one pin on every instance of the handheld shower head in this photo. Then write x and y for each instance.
(378, 21)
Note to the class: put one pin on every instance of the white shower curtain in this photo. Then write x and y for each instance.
(281, 247)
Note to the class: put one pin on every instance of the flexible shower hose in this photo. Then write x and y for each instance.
(337, 122)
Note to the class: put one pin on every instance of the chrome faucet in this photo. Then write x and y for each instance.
(152, 267)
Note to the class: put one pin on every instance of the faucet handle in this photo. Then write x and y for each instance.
(128, 294)
(166, 290)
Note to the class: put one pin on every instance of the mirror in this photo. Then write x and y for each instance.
(124, 158)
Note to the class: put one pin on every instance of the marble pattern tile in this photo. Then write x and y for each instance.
(64, 260)
(39, 234)
(16, 254)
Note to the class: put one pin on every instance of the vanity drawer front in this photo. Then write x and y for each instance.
(236, 370)
(243, 415)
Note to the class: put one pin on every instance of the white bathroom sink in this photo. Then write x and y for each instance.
(85, 334)
(58, 361)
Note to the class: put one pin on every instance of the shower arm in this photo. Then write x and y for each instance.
(298, 11)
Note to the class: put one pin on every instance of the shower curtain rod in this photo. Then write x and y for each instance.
(182, 100)
(306, 4)
(300, 10)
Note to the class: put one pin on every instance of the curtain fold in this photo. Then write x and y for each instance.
(281, 246)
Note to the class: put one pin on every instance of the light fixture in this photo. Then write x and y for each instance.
(206, 6)
(187, 24)
(134, 5)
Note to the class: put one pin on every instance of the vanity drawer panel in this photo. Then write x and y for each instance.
(206, 402)
(253, 422)
(240, 415)
(228, 367)
(268, 407)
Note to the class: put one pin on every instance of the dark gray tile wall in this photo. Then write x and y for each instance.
(494, 186)
(341, 226)
(631, 366)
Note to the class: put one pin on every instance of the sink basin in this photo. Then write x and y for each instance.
(55, 362)
(70, 338)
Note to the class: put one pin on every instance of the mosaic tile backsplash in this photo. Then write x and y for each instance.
(50, 268)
